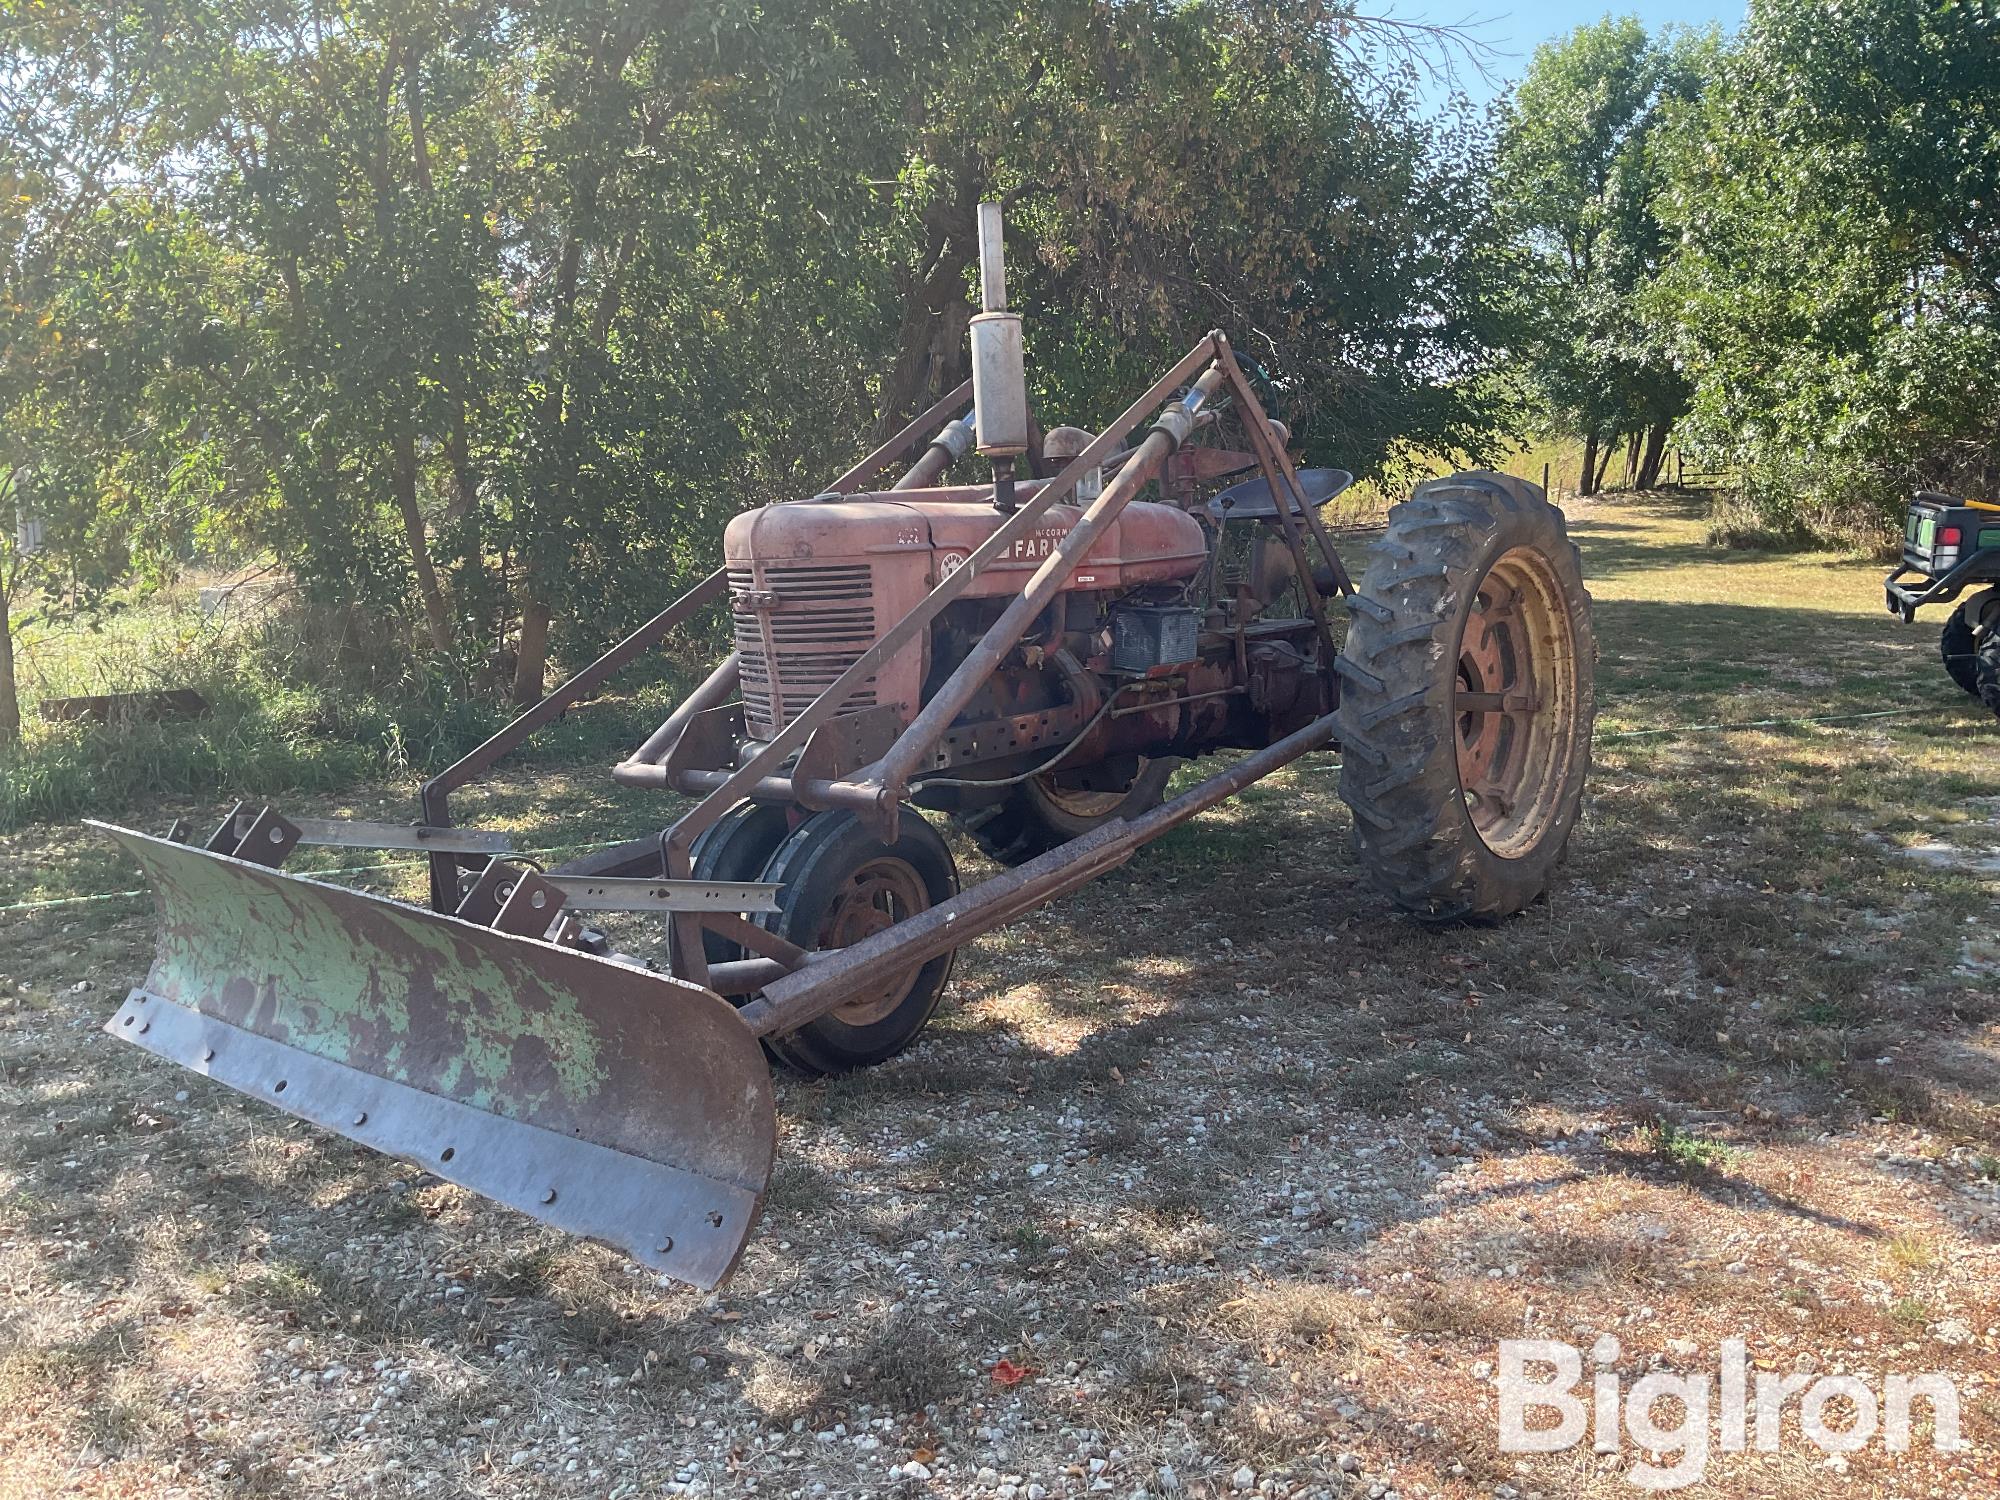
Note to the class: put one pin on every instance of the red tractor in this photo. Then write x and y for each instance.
(1028, 658)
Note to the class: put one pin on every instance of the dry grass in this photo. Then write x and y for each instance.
(1306, 1164)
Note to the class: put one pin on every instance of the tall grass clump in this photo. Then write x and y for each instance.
(301, 698)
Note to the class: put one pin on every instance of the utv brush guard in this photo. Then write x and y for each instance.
(1028, 657)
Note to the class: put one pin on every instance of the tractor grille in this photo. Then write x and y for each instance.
(824, 620)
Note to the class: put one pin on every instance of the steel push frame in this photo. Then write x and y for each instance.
(792, 986)
(487, 1038)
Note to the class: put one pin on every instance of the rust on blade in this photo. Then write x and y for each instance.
(583, 1052)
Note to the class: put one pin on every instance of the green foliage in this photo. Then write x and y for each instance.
(1580, 174)
(485, 317)
(1835, 294)
(1690, 1152)
(302, 697)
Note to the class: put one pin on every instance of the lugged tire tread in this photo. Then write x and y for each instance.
(1399, 768)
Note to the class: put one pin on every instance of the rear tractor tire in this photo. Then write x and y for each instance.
(1042, 812)
(1466, 699)
(839, 883)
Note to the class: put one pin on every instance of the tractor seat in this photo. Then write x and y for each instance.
(1252, 500)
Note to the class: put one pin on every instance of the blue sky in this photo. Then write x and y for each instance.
(1514, 31)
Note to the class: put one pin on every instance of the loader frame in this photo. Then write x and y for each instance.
(494, 1039)
(793, 987)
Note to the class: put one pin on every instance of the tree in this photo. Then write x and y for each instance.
(73, 94)
(1579, 170)
(485, 317)
(1833, 291)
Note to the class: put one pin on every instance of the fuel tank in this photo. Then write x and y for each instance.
(815, 583)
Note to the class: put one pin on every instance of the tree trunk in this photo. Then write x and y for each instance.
(10, 697)
(1610, 447)
(1586, 483)
(1632, 460)
(404, 476)
(531, 663)
(1656, 453)
(930, 359)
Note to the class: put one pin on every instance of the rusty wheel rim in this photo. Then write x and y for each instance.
(1514, 692)
(877, 894)
(1080, 802)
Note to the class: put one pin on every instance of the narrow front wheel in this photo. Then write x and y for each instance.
(839, 883)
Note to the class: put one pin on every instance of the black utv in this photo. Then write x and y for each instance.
(1950, 546)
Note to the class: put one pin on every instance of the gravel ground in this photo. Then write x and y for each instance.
(1212, 1179)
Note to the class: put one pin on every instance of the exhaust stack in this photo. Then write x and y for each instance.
(999, 381)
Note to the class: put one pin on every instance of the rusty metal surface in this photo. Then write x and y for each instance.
(707, 741)
(913, 748)
(269, 839)
(581, 1048)
(529, 906)
(481, 900)
(847, 742)
(811, 588)
(817, 795)
(680, 841)
(835, 978)
(689, 1226)
(716, 690)
(989, 739)
(435, 797)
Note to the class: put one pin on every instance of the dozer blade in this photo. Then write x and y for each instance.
(603, 1099)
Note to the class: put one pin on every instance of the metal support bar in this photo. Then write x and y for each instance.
(913, 746)
(947, 448)
(924, 424)
(814, 793)
(435, 798)
(1266, 442)
(354, 833)
(716, 689)
(612, 893)
(681, 839)
(845, 974)
(1285, 492)
(744, 976)
(786, 954)
(618, 657)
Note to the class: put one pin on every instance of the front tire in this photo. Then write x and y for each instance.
(839, 883)
(1466, 699)
(737, 848)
